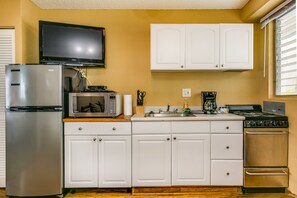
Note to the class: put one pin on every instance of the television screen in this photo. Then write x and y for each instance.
(69, 44)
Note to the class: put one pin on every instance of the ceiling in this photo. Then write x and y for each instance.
(140, 4)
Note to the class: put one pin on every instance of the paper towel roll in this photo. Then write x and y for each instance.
(128, 105)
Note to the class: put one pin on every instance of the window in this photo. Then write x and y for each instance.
(285, 49)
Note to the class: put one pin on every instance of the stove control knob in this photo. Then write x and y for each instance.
(266, 123)
(253, 123)
(274, 123)
(259, 123)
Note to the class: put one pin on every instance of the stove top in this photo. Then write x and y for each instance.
(255, 118)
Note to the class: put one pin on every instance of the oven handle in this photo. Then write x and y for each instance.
(267, 133)
(267, 174)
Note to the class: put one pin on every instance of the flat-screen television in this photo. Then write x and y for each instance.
(69, 44)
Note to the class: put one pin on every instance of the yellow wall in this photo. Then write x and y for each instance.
(267, 93)
(29, 21)
(128, 56)
(10, 16)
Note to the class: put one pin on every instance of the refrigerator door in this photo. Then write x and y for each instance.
(33, 85)
(34, 153)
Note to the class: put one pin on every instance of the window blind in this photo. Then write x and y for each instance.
(285, 49)
(7, 56)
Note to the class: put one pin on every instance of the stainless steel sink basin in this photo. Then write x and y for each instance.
(164, 115)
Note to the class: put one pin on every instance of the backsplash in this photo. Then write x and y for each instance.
(274, 107)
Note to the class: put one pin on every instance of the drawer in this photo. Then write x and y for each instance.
(190, 127)
(97, 128)
(229, 146)
(151, 127)
(266, 177)
(226, 127)
(227, 172)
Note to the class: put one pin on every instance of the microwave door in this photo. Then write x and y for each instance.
(88, 106)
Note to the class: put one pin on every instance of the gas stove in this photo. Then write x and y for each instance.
(255, 118)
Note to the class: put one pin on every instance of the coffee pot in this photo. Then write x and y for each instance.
(209, 105)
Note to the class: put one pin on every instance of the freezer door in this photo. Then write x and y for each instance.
(33, 85)
(34, 153)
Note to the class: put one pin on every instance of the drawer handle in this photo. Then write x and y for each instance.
(268, 133)
(228, 173)
(113, 128)
(227, 127)
(100, 139)
(267, 174)
(174, 138)
(227, 147)
(79, 128)
(168, 139)
(94, 139)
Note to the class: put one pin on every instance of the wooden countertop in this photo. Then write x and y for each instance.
(120, 118)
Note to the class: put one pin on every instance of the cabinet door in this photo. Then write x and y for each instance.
(202, 46)
(115, 161)
(236, 46)
(81, 156)
(167, 46)
(191, 159)
(151, 160)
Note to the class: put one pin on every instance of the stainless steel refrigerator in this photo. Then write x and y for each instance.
(34, 132)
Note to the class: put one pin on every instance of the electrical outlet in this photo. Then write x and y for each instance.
(186, 92)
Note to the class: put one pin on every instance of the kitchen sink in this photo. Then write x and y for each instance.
(162, 115)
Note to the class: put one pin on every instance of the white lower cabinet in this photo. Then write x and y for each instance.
(226, 153)
(100, 160)
(227, 172)
(115, 161)
(191, 159)
(81, 156)
(171, 159)
(151, 160)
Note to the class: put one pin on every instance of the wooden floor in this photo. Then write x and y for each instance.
(184, 193)
(101, 193)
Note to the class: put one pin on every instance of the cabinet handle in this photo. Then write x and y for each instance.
(113, 128)
(227, 147)
(94, 139)
(79, 128)
(168, 139)
(182, 66)
(227, 173)
(100, 139)
(227, 127)
(217, 66)
(174, 138)
(222, 65)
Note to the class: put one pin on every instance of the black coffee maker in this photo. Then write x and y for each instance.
(209, 104)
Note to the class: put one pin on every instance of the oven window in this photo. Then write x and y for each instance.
(86, 104)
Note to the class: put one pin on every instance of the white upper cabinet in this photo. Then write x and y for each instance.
(236, 46)
(201, 47)
(167, 47)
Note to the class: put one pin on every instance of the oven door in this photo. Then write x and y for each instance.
(265, 147)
